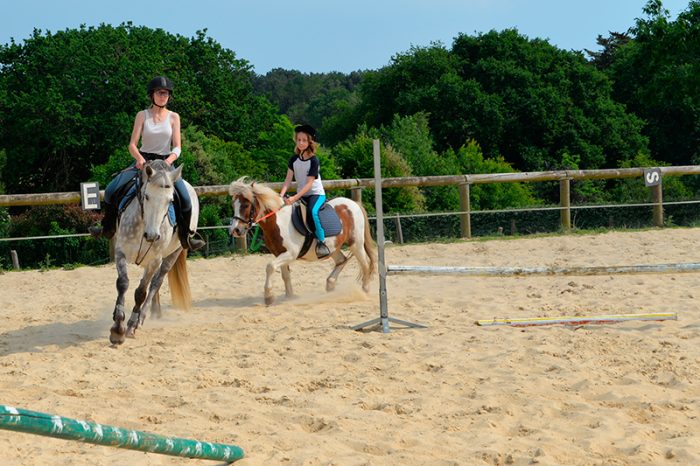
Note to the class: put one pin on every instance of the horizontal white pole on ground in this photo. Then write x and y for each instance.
(520, 271)
(575, 320)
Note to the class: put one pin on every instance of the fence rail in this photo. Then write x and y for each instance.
(564, 177)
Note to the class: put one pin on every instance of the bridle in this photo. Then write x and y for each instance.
(250, 222)
(141, 192)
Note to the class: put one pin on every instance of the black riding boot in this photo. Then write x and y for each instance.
(183, 230)
(109, 223)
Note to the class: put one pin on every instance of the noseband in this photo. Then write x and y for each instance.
(141, 192)
(251, 218)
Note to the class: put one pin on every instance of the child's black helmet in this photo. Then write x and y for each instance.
(160, 82)
(308, 129)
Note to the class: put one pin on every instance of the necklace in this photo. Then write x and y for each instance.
(158, 116)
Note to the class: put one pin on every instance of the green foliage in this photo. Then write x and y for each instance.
(4, 223)
(523, 99)
(118, 161)
(275, 147)
(497, 195)
(4, 215)
(54, 220)
(215, 212)
(309, 97)
(355, 160)
(216, 161)
(633, 190)
(657, 76)
(3, 162)
(410, 137)
(68, 99)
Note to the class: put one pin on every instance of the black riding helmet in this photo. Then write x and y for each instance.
(308, 129)
(160, 82)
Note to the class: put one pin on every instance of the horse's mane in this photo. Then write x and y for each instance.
(160, 169)
(268, 198)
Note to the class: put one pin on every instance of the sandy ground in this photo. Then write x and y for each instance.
(291, 384)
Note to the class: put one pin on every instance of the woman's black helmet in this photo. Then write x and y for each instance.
(160, 82)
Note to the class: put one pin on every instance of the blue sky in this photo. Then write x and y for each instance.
(331, 35)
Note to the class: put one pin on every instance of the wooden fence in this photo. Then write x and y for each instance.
(564, 177)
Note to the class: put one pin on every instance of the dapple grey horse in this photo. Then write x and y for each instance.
(146, 237)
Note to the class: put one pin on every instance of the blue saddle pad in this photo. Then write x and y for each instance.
(329, 220)
(131, 194)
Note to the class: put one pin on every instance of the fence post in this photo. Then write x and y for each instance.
(657, 199)
(399, 231)
(15, 259)
(242, 244)
(356, 195)
(565, 202)
(465, 222)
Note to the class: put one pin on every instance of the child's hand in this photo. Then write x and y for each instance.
(289, 200)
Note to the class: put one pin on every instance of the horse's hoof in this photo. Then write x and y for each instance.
(116, 333)
(269, 300)
(330, 285)
(131, 332)
(116, 338)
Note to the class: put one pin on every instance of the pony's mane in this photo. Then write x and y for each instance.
(268, 198)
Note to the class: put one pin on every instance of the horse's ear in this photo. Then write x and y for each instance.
(148, 170)
(176, 174)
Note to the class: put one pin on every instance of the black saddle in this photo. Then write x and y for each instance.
(304, 224)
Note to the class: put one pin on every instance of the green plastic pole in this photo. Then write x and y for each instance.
(50, 425)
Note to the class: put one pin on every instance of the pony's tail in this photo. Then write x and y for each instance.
(370, 245)
(179, 283)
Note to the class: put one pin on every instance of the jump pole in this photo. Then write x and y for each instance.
(383, 318)
(50, 425)
(575, 320)
(526, 271)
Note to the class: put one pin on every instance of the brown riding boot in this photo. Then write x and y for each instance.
(194, 244)
(188, 240)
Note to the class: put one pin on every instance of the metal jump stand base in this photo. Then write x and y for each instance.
(383, 319)
(383, 322)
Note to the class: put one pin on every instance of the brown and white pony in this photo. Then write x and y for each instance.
(255, 203)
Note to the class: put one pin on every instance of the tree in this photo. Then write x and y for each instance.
(603, 59)
(68, 99)
(410, 137)
(492, 196)
(311, 98)
(657, 76)
(521, 99)
(355, 159)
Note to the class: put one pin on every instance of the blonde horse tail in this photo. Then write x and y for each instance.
(370, 245)
(179, 283)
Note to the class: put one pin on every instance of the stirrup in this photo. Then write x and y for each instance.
(322, 250)
(193, 243)
(95, 231)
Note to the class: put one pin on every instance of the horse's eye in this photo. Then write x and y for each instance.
(146, 197)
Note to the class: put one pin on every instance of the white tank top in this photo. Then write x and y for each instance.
(156, 138)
